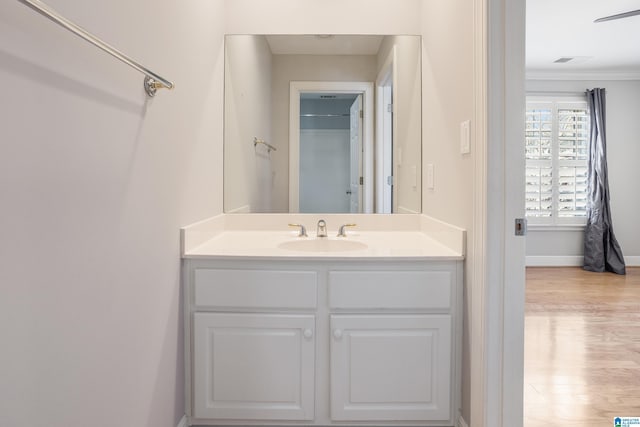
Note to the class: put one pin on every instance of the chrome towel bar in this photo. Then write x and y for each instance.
(152, 81)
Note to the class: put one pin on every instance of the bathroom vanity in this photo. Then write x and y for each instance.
(283, 332)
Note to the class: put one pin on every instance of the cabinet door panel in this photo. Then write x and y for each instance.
(388, 367)
(254, 366)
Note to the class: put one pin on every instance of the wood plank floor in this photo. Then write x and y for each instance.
(582, 347)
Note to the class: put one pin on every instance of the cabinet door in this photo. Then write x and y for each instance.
(390, 367)
(253, 366)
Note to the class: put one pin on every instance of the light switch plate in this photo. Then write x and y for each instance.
(430, 177)
(465, 138)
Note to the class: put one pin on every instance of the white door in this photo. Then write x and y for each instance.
(390, 367)
(253, 366)
(385, 82)
(387, 149)
(355, 138)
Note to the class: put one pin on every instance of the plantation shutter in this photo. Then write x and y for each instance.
(556, 146)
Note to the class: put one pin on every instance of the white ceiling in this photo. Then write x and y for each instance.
(565, 28)
(324, 45)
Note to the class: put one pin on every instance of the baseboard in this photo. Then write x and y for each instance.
(632, 261)
(461, 421)
(183, 422)
(555, 261)
(571, 261)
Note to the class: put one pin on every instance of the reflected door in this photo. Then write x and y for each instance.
(355, 148)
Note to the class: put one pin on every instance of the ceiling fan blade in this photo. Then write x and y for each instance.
(619, 16)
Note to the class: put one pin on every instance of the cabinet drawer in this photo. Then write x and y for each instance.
(221, 288)
(390, 289)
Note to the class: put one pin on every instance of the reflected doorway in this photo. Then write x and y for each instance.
(331, 147)
(330, 152)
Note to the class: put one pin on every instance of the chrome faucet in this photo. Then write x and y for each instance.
(341, 231)
(303, 230)
(322, 229)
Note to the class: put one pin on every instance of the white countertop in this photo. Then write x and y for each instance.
(230, 241)
(379, 244)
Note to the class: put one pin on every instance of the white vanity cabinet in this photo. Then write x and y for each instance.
(322, 342)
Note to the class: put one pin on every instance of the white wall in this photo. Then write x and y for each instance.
(287, 68)
(95, 181)
(447, 100)
(323, 17)
(623, 152)
(247, 94)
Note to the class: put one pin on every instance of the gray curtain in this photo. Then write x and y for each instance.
(601, 249)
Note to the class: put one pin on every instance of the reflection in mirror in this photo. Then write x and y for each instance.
(340, 118)
(330, 131)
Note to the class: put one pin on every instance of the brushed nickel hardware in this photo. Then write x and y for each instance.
(322, 229)
(152, 81)
(342, 231)
(303, 229)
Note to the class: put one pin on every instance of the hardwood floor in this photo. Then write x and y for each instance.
(582, 347)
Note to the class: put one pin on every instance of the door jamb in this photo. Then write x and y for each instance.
(388, 72)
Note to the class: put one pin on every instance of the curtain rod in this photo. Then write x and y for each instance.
(152, 81)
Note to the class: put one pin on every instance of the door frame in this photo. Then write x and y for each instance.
(497, 304)
(387, 77)
(296, 88)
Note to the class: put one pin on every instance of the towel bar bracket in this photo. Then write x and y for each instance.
(151, 86)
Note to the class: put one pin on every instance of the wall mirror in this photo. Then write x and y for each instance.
(322, 124)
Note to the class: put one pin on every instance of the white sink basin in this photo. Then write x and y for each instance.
(322, 245)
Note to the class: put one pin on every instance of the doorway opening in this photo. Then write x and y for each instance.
(331, 147)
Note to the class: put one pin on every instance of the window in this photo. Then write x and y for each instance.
(556, 152)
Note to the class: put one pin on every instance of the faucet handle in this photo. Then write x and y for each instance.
(303, 229)
(341, 231)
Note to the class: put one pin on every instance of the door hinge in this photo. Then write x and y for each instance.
(390, 180)
(521, 226)
(361, 180)
(389, 108)
(361, 114)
